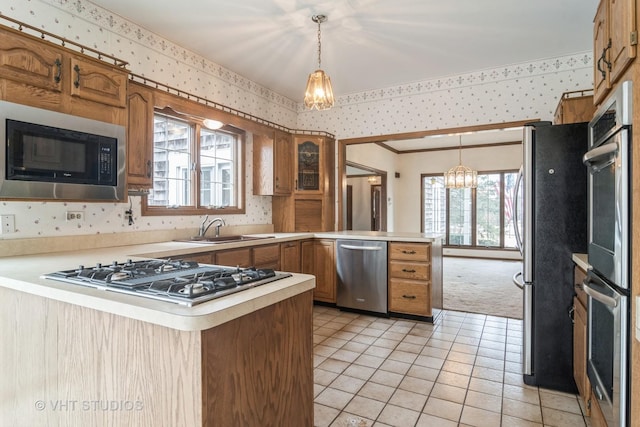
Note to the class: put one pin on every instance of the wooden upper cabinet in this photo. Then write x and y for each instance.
(283, 162)
(140, 136)
(624, 36)
(41, 74)
(28, 61)
(601, 82)
(614, 47)
(272, 164)
(309, 164)
(574, 107)
(98, 82)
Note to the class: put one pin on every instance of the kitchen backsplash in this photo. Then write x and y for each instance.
(513, 92)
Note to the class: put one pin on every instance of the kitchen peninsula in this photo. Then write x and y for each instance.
(85, 356)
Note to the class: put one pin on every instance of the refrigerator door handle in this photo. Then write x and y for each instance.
(527, 329)
(516, 216)
(517, 282)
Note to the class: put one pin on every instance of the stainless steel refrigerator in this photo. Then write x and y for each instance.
(551, 224)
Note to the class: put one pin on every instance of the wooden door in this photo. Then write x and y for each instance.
(290, 257)
(140, 136)
(601, 83)
(319, 259)
(622, 32)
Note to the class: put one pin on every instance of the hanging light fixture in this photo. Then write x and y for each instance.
(319, 94)
(460, 176)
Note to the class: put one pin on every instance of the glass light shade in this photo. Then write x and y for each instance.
(461, 177)
(319, 94)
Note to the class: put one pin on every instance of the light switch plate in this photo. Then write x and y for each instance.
(8, 224)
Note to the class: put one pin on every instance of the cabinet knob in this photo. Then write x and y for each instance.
(409, 296)
(409, 252)
(149, 169)
(406, 270)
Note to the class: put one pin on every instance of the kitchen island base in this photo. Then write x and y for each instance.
(74, 366)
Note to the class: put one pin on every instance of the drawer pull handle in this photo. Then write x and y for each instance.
(408, 271)
(409, 296)
(408, 252)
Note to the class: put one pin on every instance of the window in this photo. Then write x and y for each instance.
(196, 170)
(480, 217)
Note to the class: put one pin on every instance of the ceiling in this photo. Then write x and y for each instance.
(366, 44)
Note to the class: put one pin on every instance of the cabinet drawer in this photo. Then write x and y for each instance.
(410, 297)
(407, 270)
(267, 256)
(234, 257)
(409, 251)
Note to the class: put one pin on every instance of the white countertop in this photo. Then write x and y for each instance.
(381, 235)
(23, 273)
(581, 260)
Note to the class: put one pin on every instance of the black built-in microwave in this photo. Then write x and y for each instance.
(46, 153)
(51, 155)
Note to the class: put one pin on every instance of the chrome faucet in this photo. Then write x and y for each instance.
(205, 226)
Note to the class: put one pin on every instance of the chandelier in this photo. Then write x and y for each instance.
(460, 176)
(319, 94)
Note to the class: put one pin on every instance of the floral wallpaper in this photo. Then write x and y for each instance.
(512, 92)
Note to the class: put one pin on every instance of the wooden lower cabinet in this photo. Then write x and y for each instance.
(201, 258)
(319, 259)
(267, 256)
(409, 297)
(255, 370)
(234, 257)
(410, 279)
(263, 374)
(290, 257)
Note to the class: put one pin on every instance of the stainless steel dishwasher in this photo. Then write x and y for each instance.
(362, 275)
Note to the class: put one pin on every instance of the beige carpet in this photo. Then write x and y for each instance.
(482, 286)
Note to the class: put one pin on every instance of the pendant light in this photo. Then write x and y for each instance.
(460, 176)
(319, 94)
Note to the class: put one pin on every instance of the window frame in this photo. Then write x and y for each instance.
(474, 216)
(195, 124)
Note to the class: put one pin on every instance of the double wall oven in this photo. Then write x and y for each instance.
(608, 281)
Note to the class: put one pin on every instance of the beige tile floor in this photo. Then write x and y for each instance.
(463, 370)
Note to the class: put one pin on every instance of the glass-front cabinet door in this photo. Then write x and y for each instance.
(309, 164)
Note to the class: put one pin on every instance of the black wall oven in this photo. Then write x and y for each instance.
(607, 283)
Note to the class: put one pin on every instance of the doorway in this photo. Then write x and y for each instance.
(365, 206)
(376, 207)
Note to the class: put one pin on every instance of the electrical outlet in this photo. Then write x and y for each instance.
(8, 224)
(75, 215)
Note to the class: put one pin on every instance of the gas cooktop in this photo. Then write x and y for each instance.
(183, 282)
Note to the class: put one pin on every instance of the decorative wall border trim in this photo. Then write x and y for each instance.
(575, 61)
(137, 34)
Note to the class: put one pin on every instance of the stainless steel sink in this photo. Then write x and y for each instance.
(223, 239)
